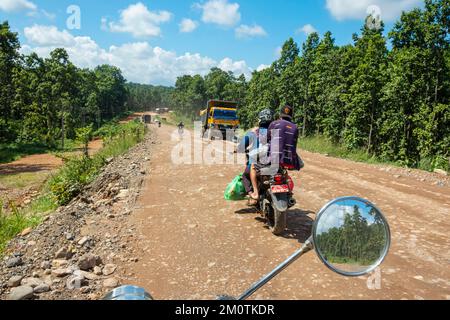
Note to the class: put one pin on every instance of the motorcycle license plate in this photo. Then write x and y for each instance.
(280, 189)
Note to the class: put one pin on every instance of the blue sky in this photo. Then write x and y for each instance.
(149, 42)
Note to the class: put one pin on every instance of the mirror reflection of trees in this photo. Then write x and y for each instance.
(357, 241)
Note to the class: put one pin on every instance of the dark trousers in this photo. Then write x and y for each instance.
(246, 180)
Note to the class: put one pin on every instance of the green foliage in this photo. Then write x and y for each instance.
(44, 101)
(356, 241)
(142, 97)
(84, 135)
(80, 171)
(13, 223)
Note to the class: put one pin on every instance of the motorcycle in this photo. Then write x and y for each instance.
(351, 236)
(276, 198)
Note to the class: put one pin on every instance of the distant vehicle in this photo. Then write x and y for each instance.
(162, 110)
(147, 119)
(218, 117)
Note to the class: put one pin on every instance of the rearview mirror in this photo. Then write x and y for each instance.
(351, 236)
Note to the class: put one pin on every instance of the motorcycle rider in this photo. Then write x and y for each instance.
(282, 139)
(255, 146)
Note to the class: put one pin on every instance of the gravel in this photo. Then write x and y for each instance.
(68, 257)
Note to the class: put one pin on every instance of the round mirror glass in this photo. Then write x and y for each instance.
(351, 236)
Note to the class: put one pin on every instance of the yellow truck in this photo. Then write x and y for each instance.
(218, 118)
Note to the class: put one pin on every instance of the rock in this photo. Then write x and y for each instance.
(63, 253)
(109, 160)
(122, 194)
(111, 283)
(42, 288)
(89, 261)
(26, 232)
(75, 282)
(86, 275)
(14, 262)
(45, 265)
(14, 281)
(109, 269)
(70, 236)
(60, 263)
(98, 271)
(85, 290)
(62, 272)
(143, 172)
(31, 282)
(397, 176)
(83, 241)
(21, 293)
(441, 172)
(31, 243)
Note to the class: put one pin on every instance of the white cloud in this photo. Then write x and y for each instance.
(220, 12)
(262, 67)
(48, 36)
(138, 20)
(307, 29)
(237, 67)
(188, 25)
(244, 31)
(17, 5)
(139, 61)
(351, 9)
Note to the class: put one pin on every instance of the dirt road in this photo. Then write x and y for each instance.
(195, 245)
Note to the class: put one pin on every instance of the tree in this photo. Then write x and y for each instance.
(9, 60)
(369, 77)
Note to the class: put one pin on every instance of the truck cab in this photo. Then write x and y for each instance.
(218, 118)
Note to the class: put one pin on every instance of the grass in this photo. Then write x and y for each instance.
(15, 222)
(320, 144)
(80, 171)
(22, 180)
(14, 151)
(67, 182)
(174, 119)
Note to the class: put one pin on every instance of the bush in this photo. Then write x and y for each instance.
(14, 223)
(80, 171)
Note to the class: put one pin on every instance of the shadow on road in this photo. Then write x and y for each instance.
(299, 224)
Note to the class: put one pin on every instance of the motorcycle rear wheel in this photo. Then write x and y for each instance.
(279, 222)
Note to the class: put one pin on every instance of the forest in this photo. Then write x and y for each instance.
(44, 101)
(385, 96)
(388, 96)
(356, 241)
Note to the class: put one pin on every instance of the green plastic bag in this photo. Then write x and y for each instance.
(235, 191)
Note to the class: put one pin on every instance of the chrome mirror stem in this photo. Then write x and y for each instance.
(307, 246)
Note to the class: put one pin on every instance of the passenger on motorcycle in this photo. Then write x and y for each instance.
(282, 138)
(255, 146)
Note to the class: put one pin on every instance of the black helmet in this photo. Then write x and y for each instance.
(287, 112)
(265, 117)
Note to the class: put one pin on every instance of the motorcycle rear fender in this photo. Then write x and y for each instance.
(280, 201)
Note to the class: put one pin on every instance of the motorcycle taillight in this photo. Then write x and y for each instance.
(291, 184)
(278, 179)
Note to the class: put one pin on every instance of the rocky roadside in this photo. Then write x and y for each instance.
(81, 251)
